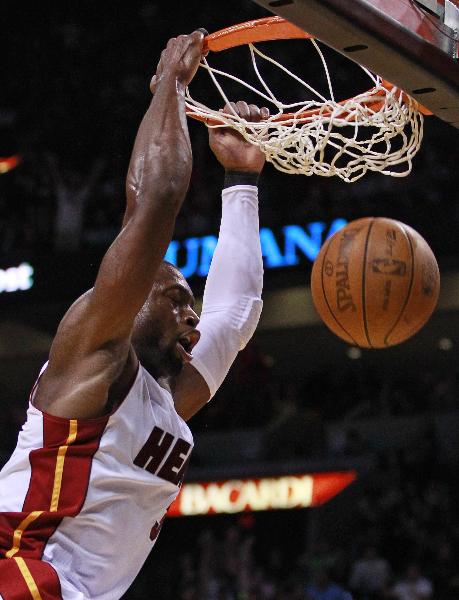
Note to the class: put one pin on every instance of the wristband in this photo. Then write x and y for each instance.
(240, 178)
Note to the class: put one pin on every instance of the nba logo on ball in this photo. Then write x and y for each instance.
(375, 282)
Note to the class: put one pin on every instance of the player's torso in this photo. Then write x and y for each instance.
(90, 495)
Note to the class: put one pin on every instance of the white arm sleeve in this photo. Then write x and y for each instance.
(232, 296)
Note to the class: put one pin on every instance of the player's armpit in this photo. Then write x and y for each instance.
(190, 392)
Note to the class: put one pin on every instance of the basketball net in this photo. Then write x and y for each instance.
(374, 131)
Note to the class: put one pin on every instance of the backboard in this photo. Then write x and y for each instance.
(414, 45)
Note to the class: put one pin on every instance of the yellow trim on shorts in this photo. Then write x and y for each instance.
(28, 578)
(31, 517)
(59, 470)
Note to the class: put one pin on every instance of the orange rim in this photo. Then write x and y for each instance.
(271, 29)
(250, 32)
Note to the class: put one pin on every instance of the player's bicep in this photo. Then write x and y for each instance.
(128, 269)
(126, 273)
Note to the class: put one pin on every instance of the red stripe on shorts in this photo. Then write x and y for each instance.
(73, 488)
(13, 586)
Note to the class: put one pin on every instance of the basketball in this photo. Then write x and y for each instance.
(375, 282)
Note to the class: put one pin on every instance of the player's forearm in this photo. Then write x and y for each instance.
(232, 298)
(237, 266)
(160, 166)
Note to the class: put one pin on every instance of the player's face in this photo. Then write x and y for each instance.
(165, 329)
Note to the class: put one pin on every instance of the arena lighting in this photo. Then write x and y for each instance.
(193, 255)
(268, 493)
(7, 163)
(16, 279)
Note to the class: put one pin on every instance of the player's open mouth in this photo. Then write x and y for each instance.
(186, 343)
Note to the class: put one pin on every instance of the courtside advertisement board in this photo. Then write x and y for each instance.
(256, 494)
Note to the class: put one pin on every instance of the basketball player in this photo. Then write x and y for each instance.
(105, 446)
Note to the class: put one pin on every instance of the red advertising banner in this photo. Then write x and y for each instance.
(267, 493)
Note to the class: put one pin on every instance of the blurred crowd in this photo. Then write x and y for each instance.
(257, 394)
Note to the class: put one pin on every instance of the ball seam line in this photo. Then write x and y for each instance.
(364, 283)
(386, 337)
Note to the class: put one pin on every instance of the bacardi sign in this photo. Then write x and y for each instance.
(254, 494)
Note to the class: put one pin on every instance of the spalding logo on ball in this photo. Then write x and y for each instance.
(375, 282)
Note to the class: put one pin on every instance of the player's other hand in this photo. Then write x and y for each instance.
(180, 58)
(233, 152)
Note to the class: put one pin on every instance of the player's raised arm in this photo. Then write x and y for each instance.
(232, 297)
(92, 344)
(157, 181)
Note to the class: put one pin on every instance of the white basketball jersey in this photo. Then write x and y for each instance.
(89, 496)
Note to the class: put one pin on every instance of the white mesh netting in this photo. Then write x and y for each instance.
(374, 131)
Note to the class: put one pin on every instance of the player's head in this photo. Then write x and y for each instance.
(164, 331)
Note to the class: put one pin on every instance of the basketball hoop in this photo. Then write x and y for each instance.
(373, 131)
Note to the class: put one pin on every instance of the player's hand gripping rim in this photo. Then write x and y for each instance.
(180, 59)
(232, 151)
